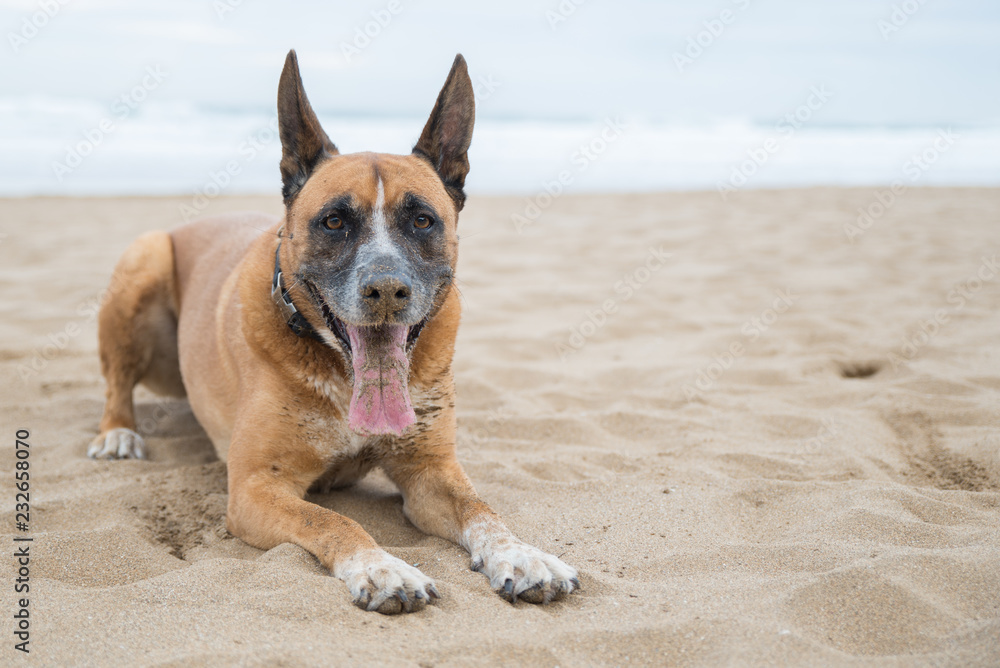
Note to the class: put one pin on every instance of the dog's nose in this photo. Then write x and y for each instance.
(386, 294)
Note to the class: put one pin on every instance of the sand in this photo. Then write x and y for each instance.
(776, 446)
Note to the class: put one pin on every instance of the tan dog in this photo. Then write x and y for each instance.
(322, 348)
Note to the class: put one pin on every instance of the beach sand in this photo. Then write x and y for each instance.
(759, 441)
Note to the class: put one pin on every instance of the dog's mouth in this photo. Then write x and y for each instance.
(341, 330)
(380, 356)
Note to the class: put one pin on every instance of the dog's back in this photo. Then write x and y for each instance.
(206, 255)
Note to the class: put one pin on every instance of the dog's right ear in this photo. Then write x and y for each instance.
(444, 143)
(303, 143)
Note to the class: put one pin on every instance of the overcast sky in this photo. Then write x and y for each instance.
(940, 67)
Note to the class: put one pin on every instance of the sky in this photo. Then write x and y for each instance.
(940, 66)
(898, 65)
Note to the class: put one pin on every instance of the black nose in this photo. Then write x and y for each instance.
(386, 294)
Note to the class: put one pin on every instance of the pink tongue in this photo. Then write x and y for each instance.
(381, 400)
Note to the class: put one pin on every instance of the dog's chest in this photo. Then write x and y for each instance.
(324, 427)
(346, 455)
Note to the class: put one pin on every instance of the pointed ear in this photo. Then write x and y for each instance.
(446, 137)
(303, 143)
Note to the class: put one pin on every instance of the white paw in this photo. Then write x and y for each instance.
(117, 444)
(380, 582)
(519, 571)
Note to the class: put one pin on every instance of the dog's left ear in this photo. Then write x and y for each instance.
(448, 133)
(304, 144)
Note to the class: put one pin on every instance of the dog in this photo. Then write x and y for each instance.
(315, 347)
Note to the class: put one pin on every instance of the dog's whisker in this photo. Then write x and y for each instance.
(278, 234)
(461, 294)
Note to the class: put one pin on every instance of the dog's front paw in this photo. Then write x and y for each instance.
(519, 571)
(117, 444)
(381, 582)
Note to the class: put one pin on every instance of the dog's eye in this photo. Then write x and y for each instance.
(334, 222)
(422, 222)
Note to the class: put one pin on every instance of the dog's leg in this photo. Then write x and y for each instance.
(268, 479)
(137, 319)
(440, 500)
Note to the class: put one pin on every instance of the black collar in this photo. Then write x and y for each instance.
(295, 320)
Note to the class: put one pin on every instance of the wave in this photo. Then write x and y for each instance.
(60, 146)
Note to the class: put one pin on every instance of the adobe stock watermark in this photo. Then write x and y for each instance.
(913, 169)
(898, 17)
(784, 130)
(703, 40)
(59, 340)
(751, 330)
(562, 12)
(225, 7)
(163, 408)
(33, 24)
(829, 430)
(494, 421)
(366, 34)
(588, 153)
(121, 108)
(220, 179)
(484, 87)
(625, 288)
(957, 297)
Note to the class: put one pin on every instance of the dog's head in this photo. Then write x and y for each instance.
(371, 239)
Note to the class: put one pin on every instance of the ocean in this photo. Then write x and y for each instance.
(59, 147)
(110, 97)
